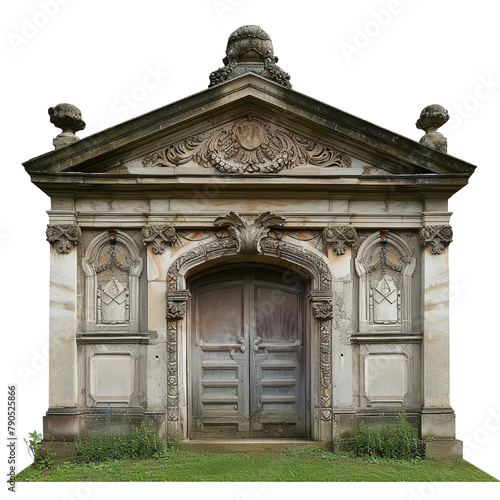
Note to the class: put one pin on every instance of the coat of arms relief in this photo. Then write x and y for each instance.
(250, 145)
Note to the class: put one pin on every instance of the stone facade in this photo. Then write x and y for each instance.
(249, 174)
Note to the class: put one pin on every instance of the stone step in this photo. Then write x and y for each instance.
(248, 445)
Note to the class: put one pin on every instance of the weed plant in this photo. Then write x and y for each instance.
(41, 457)
(139, 443)
(398, 442)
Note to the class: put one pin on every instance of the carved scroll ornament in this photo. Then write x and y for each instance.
(64, 238)
(251, 145)
(338, 237)
(160, 237)
(438, 237)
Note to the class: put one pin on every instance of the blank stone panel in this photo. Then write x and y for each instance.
(386, 376)
(112, 376)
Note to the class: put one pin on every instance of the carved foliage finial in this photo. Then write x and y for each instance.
(63, 238)
(438, 237)
(160, 237)
(338, 237)
(431, 118)
(248, 234)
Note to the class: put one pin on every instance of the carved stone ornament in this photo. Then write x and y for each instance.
(431, 118)
(338, 237)
(438, 237)
(63, 238)
(250, 145)
(322, 310)
(250, 50)
(69, 119)
(176, 310)
(248, 234)
(160, 237)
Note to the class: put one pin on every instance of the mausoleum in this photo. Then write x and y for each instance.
(249, 263)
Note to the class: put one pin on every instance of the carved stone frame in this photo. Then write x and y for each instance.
(91, 307)
(408, 268)
(320, 296)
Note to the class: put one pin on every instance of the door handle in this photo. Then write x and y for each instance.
(258, 340)
(241, 340)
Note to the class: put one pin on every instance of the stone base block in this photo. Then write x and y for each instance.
(63, 425)
(345, 425)
(437, 424)
(443, 450)
(62, 449)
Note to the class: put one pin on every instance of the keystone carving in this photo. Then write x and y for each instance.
(250, 145)
(438, 237)
(160, 237)
(338, 237)
(248, 234)
(63, 238)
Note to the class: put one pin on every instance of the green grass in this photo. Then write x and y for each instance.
(263, 467)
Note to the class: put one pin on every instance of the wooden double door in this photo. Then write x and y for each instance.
(247, 368)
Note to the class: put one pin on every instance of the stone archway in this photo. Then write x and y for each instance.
(284, 254)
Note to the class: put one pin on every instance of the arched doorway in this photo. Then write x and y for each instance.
(248, 373)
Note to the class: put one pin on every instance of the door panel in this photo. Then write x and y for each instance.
(248, 374)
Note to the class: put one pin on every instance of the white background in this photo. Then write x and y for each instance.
(382, 61)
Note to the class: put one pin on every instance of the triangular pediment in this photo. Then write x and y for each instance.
(248, 126)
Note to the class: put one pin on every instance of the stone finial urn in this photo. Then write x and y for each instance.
(250, 50)
(69, 119)
(431, 118)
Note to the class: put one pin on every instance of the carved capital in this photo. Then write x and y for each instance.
(322, 305)
(249, 233)
(64, 238)
(338, 237)
(438, 237)
(159, 236)
(322, 310)
(177, 304)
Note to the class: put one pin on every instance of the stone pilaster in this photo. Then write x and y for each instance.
(176, 370)
(344, 421)
(157, 267)
(438, 418)
(322, 308)
(63, 394)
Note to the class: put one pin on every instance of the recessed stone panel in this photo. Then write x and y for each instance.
(112, 377)
(386, 376)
